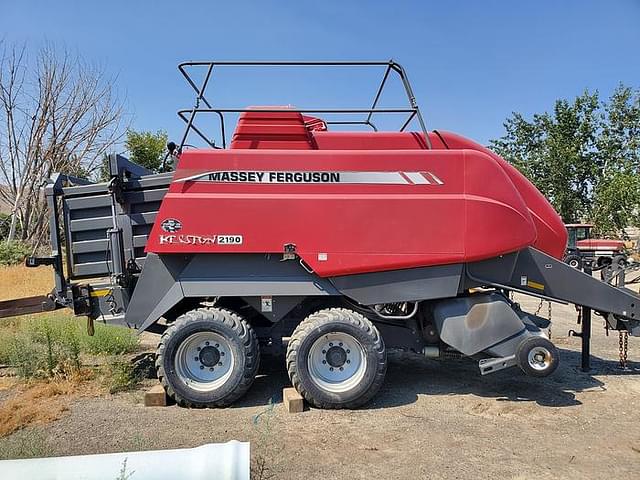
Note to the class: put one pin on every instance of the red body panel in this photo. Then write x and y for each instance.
(472, 205)
(600, 244)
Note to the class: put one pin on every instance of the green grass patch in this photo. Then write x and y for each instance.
(48, 345)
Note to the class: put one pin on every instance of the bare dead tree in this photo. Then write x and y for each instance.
(57, 114)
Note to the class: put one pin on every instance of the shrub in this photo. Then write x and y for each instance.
(12, 253)
(111, 340)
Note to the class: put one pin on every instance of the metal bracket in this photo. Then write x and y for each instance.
(491, 365)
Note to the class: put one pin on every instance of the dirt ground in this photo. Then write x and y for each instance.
(432, 419)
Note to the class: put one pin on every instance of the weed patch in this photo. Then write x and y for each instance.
(46, 346)
(120, 377)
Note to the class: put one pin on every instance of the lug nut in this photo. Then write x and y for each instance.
(199, 349)
(330, 344)
(348, 361)
(211, 369)
(340, 344)
(324, 351)
(217, 345)
(222, 354)
(201, 367)
(219, 364)
(341, 369)
(206, 343)
(324, 362)
(348, 351)
(196, 358)
(331, 369)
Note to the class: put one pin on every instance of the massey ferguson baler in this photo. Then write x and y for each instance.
(329, 246)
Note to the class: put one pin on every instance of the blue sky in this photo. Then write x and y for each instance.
(471, 63)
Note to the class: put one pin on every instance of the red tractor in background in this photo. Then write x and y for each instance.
(600, 252)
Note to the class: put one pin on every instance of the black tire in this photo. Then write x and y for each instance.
(533, 345)
(372, 354)
(240, 339)
(574, 261)
(620, 260)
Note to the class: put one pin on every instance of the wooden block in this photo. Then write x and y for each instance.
(155, 397)
(293, 401)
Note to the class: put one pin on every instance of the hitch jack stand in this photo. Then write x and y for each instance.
(586, 329)
(584, 319)
(585, 336)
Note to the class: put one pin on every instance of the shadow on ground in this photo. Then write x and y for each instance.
(411, 375)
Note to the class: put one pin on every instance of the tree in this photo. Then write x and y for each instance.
(617, 195)
(57, 113)
(584, 156)
(147, 148)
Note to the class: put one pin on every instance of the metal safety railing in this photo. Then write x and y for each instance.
(189, 116)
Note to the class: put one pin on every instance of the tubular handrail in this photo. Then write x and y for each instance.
(189, 115)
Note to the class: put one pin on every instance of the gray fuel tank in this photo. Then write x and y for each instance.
(480, 322)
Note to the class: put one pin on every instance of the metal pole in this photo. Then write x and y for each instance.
(586, 329)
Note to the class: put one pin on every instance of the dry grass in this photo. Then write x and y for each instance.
(19, 281)
(42, 402)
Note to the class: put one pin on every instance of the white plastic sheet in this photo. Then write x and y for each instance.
(214, 461)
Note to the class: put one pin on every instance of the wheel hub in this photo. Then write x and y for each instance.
(336, 356)
(204, 361)
(539, 358)
(337, 362)
(209, 356)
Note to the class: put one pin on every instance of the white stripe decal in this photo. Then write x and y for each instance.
(313, 177)
(417, 178)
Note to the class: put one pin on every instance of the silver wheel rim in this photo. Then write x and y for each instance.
(204, 361)
(337, 362)
(539, 358)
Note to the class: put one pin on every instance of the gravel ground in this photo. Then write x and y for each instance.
(432, 419)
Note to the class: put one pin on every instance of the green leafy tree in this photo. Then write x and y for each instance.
(583, 156)
(147, 148)
(617, 195)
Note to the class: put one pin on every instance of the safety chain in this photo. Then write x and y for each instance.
(624, 348)
(548, 315)
(539, 308)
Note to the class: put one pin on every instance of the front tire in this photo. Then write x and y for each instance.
(336, 359)
(537, 356)
(208, 358)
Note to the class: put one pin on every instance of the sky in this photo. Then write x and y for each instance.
(471, 63)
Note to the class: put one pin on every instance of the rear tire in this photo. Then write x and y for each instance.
(336, 359)
(537, 356)
(208, 358)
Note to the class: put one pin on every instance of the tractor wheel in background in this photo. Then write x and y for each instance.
(620, 260)
(537, 356)
(208, 357)
(336, 359)
(574, 261)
